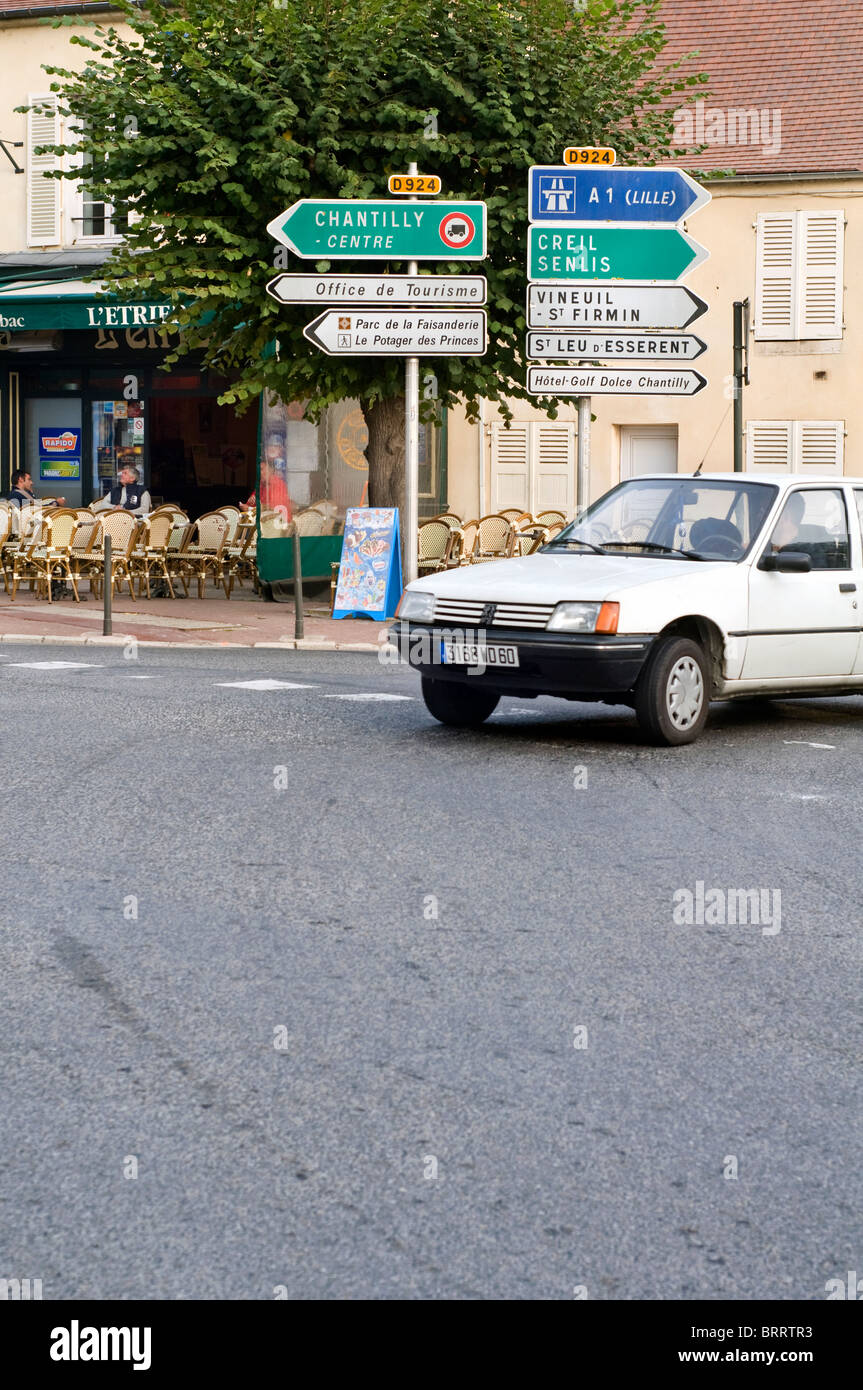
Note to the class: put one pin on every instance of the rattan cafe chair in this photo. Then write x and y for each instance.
(202, 555)
(492, 539)
(150, 556)
(434, 547)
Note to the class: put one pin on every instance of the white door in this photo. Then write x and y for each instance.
(533, 466)
(806, 624)
(858, 499)
(647, 449)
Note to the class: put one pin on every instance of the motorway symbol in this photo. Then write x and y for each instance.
(400, 333)
(595, 304)
(570, 345)
(596, 251)
(371, 290)
(611, 381)
(377, 229)
(558, 194)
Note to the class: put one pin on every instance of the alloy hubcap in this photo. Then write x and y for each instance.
(684, 693)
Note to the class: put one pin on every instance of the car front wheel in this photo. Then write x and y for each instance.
(672, 697)
(458, 704)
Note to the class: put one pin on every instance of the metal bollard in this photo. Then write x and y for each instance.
(107, 629)
(299, 628)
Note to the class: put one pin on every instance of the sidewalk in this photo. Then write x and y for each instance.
(241, 621)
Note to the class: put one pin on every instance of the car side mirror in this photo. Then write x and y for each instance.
(786, 562)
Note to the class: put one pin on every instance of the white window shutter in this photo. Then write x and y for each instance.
(775, 275)
(43, 194)
(510, 466)
(553, 467)
(822, 236)
(768, 445)
(819, 446)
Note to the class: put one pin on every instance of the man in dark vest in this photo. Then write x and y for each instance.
(129, 493)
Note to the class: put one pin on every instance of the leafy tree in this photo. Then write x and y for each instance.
(212, 116)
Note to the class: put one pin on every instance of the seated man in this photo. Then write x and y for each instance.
(128, 493)
(22, 494)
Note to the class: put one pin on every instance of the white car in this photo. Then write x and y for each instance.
(668, 592)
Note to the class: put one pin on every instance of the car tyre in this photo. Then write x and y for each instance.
(456, 704)
(672, 697)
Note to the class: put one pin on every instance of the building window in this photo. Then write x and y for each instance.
(90, 218)
(798, 275)
(795, 446)
(533, 466)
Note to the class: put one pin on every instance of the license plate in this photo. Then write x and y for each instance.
(478, 654)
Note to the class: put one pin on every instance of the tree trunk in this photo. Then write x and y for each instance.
(386, 457)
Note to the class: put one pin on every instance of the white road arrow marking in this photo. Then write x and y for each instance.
(265, 685)
(55, 665)
(370, 696)
(806, 743)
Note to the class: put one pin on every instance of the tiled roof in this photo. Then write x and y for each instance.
(797, 63)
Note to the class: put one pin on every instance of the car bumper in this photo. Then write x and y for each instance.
(590, 666)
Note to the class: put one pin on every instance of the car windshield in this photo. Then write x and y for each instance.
(688, 518)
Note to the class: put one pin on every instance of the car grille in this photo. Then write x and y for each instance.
(468, 613)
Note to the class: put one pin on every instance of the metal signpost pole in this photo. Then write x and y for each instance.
(299, 624)
(412, 447)
(741, 308)
(107, 588)
(583, 468)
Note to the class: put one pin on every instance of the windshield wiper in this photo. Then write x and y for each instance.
(574, 540)
(652, 545)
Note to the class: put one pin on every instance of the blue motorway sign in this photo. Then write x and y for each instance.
(563, 194)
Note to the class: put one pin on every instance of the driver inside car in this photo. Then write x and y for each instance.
(787, 529)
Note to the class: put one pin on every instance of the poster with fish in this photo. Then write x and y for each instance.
(370, 570)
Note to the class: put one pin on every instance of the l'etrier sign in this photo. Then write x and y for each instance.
(125, 315)
(43, 315)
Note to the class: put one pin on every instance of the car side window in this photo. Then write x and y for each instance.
(814, 522)
(858, 498)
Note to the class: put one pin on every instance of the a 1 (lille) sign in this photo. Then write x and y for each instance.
(560, 251)
(369, 290)
(594, 304)
(370, 229)
(560, 194)
(613, 381)
(571, 346)
(400, 333)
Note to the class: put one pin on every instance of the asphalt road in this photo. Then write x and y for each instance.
(318, 966)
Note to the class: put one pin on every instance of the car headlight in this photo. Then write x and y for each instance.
(417, 606)
(584, 617)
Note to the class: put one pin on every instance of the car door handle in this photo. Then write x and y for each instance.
(847, 588)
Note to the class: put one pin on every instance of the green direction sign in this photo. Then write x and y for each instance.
(588, 251)
(361, 229)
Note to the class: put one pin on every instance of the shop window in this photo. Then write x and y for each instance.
(118, 439)
(53, 446)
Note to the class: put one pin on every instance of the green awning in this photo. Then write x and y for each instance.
(35, 302)
(21, 315)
